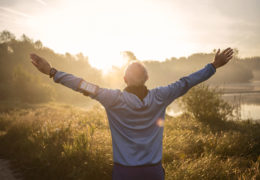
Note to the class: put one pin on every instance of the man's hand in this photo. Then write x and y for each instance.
(222, 58)
(41, 64)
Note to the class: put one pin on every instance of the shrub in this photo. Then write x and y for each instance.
(206, 105)
(29, 88)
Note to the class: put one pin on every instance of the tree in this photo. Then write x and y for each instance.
(128, 55)
(25, 38)
(6, 36)
(38, 44)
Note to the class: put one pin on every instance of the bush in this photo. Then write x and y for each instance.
(29, 88)
(206, 105)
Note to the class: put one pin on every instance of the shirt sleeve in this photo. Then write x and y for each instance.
(169, 93)
(67, 80)
(107, 97)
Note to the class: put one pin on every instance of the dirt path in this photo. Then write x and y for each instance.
(5, 171)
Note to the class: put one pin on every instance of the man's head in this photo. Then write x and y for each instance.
(135, 74)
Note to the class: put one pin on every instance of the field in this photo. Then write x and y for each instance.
(59, 141)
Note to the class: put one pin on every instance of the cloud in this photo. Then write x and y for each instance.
(41, 2)
(8, 3)
(15, 12)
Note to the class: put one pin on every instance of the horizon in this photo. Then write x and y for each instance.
(124, 56)
(154, 30)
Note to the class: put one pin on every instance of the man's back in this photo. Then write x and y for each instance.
(137, 124)
(136, 128)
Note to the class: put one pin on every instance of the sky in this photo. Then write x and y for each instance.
(151, 29)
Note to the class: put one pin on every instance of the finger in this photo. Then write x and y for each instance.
(35, 57)
(229, 53)
(226, 50)
(32, 55)
(230, 50)
(218, 52)
(229, 58)
(35, 61)
(34, 64)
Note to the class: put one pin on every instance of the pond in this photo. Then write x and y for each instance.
(249, 104)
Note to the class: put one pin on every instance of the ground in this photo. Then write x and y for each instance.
(5, 172)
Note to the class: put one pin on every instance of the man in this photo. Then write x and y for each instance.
(136, 114)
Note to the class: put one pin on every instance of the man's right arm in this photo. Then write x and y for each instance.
(107, 97)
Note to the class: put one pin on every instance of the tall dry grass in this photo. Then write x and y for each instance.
(55, 141)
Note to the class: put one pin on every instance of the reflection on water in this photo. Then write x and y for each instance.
(249, 104)
(250, 111)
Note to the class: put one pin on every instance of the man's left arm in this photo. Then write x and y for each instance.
(179, 88)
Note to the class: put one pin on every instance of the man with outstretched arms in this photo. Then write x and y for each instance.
(133, 113)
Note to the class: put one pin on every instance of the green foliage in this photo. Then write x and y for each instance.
(6, 36)
(193, 151)
(28, 87)
(206, 105)
(55, 141)
(21, 81)
(15, 52)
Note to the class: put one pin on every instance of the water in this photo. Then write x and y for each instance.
(250, 111)
(249, 104)
(246, 96)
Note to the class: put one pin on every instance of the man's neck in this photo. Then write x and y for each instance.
(140, 91)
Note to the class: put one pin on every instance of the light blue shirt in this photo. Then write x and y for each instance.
(137, 126)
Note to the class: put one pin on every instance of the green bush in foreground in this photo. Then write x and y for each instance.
(206, 105)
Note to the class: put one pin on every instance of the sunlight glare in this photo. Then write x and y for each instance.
(101, 32)
(160, 122)
(105, 59)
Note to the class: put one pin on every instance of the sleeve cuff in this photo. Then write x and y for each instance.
(57, 76)
(212, 67)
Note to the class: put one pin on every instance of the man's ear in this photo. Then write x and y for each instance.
(125, 79)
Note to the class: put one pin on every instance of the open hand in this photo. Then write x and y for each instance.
(222, 58)
(40, 63)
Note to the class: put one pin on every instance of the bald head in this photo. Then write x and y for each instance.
(135, 74)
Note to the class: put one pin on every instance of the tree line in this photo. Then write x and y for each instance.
(20, 81)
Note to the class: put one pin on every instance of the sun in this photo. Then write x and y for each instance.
(105, 59)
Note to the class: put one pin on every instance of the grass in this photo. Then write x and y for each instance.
(55, 141)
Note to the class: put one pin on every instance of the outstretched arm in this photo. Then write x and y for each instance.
(66, 79)
(180, 87)
(106, 97)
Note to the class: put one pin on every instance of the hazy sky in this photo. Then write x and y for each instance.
(152, 29)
